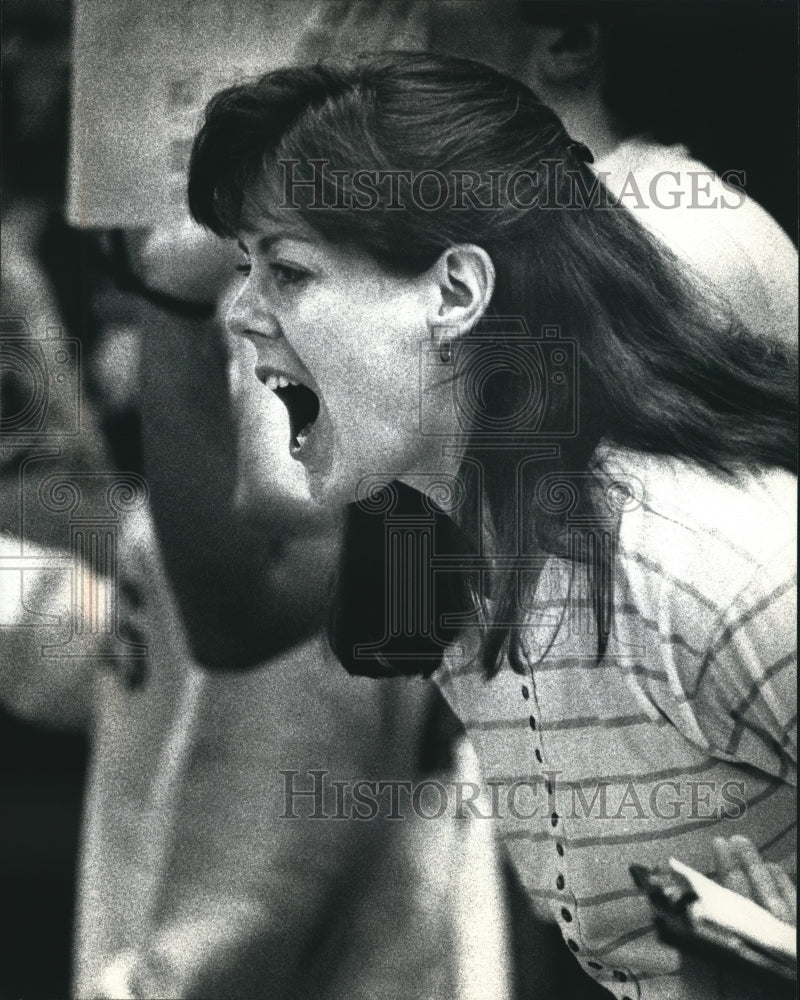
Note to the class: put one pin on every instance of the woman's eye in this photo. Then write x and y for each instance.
(285, 274)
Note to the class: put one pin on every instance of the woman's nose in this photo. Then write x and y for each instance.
(249, 314)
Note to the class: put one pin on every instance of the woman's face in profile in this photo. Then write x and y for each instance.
(338, 339)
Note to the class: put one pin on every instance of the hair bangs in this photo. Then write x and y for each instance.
(227, 157)
(243, 129)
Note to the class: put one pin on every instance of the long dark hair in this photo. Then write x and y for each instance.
(658, 367)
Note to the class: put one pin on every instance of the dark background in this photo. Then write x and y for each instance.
(720, 77)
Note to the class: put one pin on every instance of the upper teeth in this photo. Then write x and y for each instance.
(279, 381)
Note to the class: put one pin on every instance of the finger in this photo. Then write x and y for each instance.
(787, 889)
(738, 881)
(764, 888)
(729, 871)
(724, 857)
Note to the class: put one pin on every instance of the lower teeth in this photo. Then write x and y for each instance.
(301, 437)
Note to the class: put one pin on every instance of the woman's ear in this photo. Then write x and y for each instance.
(463, 283)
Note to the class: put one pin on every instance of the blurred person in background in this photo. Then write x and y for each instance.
(42, 285)
(646, 88)
(35, 68)
(53, 275)
(192, 879)
(190, 882)
(721, 233)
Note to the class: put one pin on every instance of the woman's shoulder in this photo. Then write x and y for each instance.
(707, 581)
(715, 533)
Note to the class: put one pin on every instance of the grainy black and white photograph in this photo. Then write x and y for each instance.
(398, 455)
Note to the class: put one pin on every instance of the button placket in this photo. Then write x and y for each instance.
(566, 914)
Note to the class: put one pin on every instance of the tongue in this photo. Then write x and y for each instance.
(302, 405)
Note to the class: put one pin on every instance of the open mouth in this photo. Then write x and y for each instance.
(301, 402)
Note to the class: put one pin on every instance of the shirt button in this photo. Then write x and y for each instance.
(594, 965)
(566, 914)
(620, 976)
(525, 692)
(532, 722)
(554, 819)
(573, 945)
(538, 753)
(560, 849)
(560, 882)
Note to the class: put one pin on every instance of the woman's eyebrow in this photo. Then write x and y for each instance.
(265, 243)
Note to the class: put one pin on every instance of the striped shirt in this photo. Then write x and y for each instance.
(685, 730)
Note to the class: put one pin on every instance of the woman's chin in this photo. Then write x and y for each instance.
(340, 485)
(373, 490)
(329, 489)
